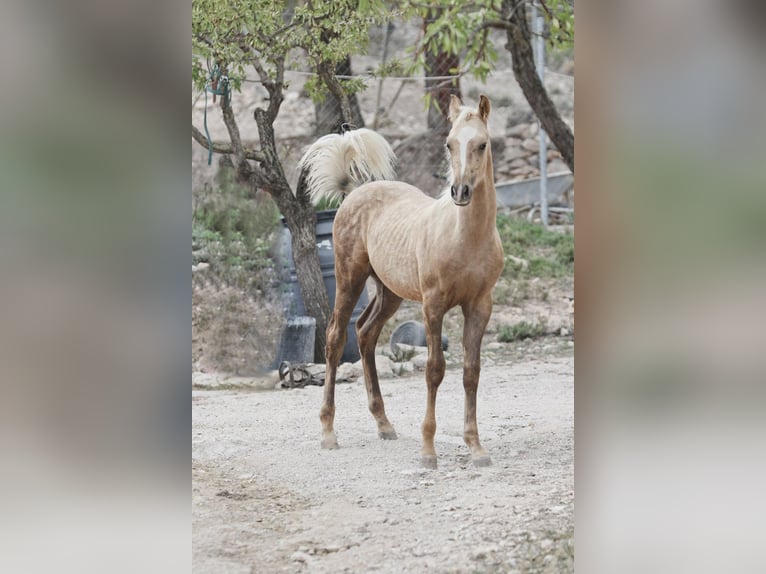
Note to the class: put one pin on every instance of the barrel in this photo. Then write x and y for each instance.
(295, 306)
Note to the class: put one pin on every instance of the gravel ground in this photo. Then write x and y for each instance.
(266, 498)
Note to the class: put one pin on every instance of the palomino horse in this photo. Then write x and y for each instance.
(442, 252)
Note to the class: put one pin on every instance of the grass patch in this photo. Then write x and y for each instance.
(533, 251)
(236, 234)
(520, 331)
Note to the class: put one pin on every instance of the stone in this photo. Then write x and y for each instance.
(300, 557)
(524, 171)
(557, 166)
(403, 368)
(419, 361)
(531, 144)
(520, 162)
(315, 369)
(532, 130)
(384, 366)
(350, 371)
(515, 152)
(517, 130)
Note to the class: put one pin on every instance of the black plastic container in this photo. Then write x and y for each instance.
(295, 305)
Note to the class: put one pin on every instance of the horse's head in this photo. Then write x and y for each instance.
(467, 147)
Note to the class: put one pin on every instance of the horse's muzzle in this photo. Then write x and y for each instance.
(461, 194)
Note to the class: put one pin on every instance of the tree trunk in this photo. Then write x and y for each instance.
(328, 112)
(300, 218)
(309, 273)
(520, 47)
(440, 64)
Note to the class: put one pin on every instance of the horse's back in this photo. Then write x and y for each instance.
(384, 203)
(391, 192)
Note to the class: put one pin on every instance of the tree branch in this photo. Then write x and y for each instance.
(224, 148)
(233, 128)
(498, 24)
(328, 77)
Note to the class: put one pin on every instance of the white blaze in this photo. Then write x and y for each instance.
(463, 137)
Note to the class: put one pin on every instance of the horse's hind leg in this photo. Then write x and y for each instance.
(383, 305)
(476, 318)
(347, 292)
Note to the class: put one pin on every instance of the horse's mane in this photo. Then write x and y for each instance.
(335, 164)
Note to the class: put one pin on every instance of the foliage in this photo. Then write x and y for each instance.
(238, 34)
(327, 203)
(463, 29)
(546, 253)
(236, 236)
(560, 18)
(521, 330)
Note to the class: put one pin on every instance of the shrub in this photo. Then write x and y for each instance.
(236, 302)
(520, 331)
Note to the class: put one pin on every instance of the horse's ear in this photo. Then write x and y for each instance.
(454, 107)
(484, 107)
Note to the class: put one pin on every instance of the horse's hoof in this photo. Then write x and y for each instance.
(428, 461)
(330, 442)
(482, 460)
(388, 434)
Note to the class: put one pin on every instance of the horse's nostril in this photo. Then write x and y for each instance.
(453, 190)
(466, 191)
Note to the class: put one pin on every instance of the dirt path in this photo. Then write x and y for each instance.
(267, 499)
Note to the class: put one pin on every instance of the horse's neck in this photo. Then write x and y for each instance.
(478, 219)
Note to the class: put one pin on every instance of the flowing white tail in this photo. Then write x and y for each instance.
(336, 164)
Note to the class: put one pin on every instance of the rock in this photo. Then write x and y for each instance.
(419, 361)
(300, 557)
(403, 352)
(524, 171)
(201, 266)
(531, 144)
(556, 166)
(517, 163)
(520, 114)
(403, 368)
(350, 371)
(516, 131)
(384, 366)
(515, 152)
(315, 369)
(532, 130)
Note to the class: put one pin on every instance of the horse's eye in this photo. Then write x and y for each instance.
(483, 146)
(446, 146)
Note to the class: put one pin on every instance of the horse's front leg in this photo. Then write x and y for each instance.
(476, 319)
(434, 375)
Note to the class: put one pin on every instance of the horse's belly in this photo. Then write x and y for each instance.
(399, 274)
(393, 231)
(392, 258)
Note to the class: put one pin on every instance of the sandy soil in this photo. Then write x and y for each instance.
(266, 498)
